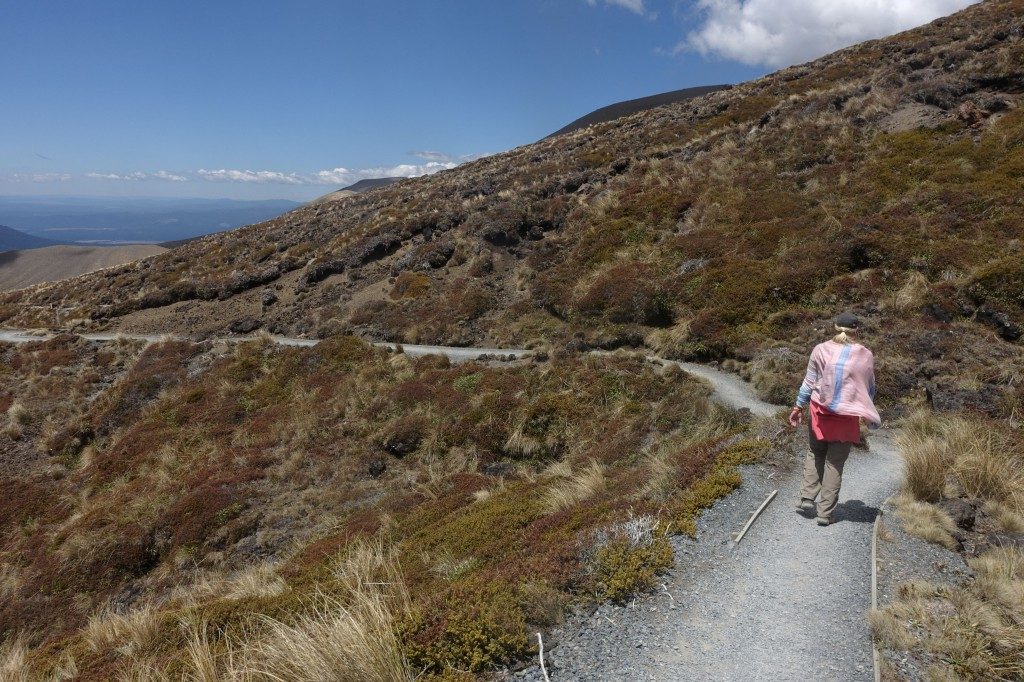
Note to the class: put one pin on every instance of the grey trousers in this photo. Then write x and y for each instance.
(823, 473)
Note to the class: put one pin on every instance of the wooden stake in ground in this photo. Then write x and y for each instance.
(540, 641)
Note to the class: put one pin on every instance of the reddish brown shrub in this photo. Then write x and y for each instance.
(629, 293)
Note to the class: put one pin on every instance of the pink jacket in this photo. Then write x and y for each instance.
(841, 377)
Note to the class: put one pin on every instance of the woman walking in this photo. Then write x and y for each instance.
(840, 388)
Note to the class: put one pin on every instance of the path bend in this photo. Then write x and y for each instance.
(788, 603)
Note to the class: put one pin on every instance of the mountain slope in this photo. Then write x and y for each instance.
(632, 106)
(885, 178)
(355, 188)
(22, 268)
(11, 239)
(227, 511)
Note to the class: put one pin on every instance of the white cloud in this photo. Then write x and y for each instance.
(331, 176)
(164, 175)
(635, 6)
(41, 177)
(778, 33)
(137, 175)
(261, 177)
(345, 176)
(440, 157)
(434, 162)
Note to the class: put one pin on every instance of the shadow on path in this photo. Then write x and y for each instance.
(855, 511)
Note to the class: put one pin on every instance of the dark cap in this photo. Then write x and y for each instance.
(848, 320)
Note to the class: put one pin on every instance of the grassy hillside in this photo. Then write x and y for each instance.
(885, 178)
(204, 510)
(221, 500)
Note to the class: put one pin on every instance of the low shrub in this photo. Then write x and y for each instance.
(473, 632)
(627, 558)
(629, 293)
(410, 285)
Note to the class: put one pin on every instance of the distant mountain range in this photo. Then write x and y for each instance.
(356, 188)
(632, 106)
(371, 183)
(12, 240)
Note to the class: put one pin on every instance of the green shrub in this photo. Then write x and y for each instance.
(472, 631)
(622, 569)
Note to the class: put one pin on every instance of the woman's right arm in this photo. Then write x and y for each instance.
(804, 396)
(810, 379)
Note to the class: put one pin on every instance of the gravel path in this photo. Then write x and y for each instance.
(788, 603)
(454, 353)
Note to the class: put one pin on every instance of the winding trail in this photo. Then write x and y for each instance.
(788, 603)
(453, 353)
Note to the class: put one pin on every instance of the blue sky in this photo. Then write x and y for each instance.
(290, 100)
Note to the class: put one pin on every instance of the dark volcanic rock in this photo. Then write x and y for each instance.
(245, 325)
(963, 512)
(317, 272)
(1000, 321)
(498, 468)
(944, 398)
(268, 298)
(1005, 540)
(377, 468)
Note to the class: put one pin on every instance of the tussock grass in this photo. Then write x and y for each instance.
(971, 632)
(575, 487)
(357, 634)
(450, 568)
(18, 417)
(949, 454)
(925, 521)
(253, 582)
(346, 633)
(13, 661)
(911, 294)
(1008, 519)
(127, 633)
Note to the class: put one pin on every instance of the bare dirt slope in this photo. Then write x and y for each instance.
(19, 269)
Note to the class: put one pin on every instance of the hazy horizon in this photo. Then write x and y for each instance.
(214, 100)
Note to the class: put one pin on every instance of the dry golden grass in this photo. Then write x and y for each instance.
(127, 633)
(13, 661)
(929, 462)
(522, 445)
(254, 582)
(357, 638)
(350, 634)
(925, 521)
(575, 487)
(971, 632)
(950, 455)
(448, 567)
(18, 417)
(911, 294)
(1007, 519)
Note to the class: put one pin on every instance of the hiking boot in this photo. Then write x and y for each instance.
(805, 506)
(823, 520)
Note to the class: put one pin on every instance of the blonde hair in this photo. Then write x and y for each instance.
(843, 335)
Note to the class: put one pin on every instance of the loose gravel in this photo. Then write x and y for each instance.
(787, 603)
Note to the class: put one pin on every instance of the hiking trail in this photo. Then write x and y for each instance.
(788, 603)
